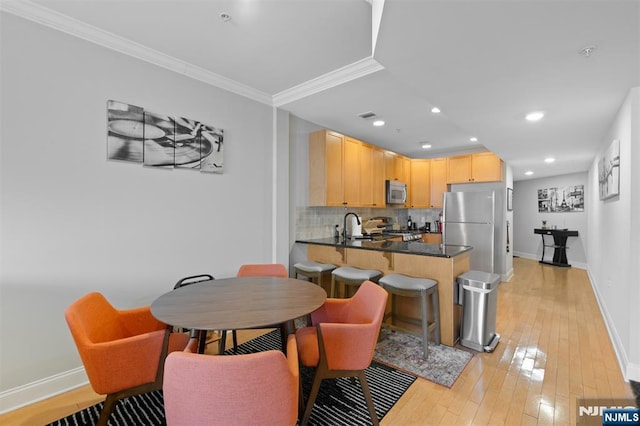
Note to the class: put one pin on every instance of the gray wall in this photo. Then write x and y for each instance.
(526, 218)
(73, 222)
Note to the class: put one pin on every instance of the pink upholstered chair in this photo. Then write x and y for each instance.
(342, 340)
(123, 351)
(253, 389)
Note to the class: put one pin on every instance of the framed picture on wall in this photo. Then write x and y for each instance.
(159, 140)
(609, 171)
(509, 199)
(561, 199)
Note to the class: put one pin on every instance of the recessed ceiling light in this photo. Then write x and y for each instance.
(225, 17)
(378, 123)
(426, 145)
(473, 139)
(549, 160)
(534, 116)
(528, 173)
(435, 110)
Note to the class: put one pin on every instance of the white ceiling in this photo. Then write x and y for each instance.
(484, 63)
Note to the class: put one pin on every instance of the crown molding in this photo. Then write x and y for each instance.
(326, 81)
(66, 24)
(50, 18)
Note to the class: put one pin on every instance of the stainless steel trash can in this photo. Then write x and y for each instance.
(478, 295)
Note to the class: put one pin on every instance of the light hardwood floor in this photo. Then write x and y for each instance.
(554, 349)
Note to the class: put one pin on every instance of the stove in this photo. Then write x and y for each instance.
(406, 235)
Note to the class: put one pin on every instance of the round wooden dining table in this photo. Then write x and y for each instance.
(238, 303)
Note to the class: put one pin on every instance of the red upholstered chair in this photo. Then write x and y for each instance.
(263, 270)
(342, 340)
(253, 389)
(123, 351)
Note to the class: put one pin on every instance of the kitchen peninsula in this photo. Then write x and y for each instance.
(442, 263)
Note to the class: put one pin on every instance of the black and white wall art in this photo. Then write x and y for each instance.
(159, 140)
(609, 171)
(125, 132)
(561, 199)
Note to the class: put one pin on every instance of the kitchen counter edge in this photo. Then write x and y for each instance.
(408, 247)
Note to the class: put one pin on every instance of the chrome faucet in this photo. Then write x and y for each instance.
(344, 225)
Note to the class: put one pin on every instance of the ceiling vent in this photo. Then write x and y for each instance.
(367, 115)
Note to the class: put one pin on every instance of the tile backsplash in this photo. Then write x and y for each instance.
(320, 222)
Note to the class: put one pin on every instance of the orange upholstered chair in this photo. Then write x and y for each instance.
(123, 351)
(267, 270)
(263, 270)
(253, 389)
(342, 340)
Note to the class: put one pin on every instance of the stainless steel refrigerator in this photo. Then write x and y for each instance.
(469, 220)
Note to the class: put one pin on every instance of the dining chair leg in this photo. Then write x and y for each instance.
(222, 342)
(234, 335)
(367, 396)
(107, 408)
(300, 397)
(202, 341)
(283, 337)
(313, 394)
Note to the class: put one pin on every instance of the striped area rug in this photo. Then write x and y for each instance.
(339, 402)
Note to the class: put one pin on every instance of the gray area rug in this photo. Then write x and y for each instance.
(404, 352)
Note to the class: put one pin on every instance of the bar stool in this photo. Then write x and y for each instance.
(352, 277)
(313, 270)
(403, 285)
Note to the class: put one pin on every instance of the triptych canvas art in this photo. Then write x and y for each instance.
(159, 140)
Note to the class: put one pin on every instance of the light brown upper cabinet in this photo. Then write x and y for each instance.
(481, 167)
(378, 186)
(365, 153)
(438, 175)
(420, 183)
(344, 171)
(351, 172)
(326, 165)
(397, 167)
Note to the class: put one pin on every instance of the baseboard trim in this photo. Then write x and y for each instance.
(629, 370)
(506, 277)
(39, 390)
(633, 372)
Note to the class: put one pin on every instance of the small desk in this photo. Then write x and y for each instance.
(559, 244)
(237, 303)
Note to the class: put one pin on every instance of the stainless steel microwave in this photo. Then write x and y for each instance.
(396, 192)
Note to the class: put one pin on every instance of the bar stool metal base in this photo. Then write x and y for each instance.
(402, 285)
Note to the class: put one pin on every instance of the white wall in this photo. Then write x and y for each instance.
(614, 233)
(73, 222)
(526, 217)
(299, 130)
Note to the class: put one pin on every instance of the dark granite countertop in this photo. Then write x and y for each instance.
(409, 247)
